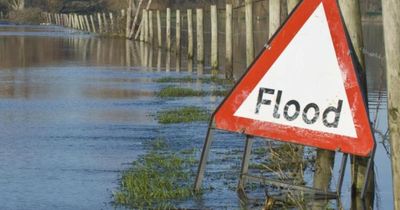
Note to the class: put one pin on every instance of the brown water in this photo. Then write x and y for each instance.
(75, 110)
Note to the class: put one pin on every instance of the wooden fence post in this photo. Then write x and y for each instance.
(80, 22)
(291, 4)
(99, 22)
(200, 36)
(132, 30)
(249, 31)
(228, 43)
(168, 33)
(391, 27)
(87, 24)
(106, 26)
(190, 33)
(274, 16)
(151, 33)
(111, 23)
(142, 28)
(92, 21)
(214, 39)
(146, 25)
(159, 38)
(128, 19)
(178, 32)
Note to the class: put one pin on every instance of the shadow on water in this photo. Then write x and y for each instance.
(75, 110)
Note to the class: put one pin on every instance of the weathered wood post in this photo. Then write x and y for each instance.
(274, 16)
(99, 22)
(87, 24)
(190, 33)
(228, 43)
(111, 23)
(70, 21)
(391, 27)
(291, 4)
(352, 18)
(151, 33)
(81, 22)
(93, 25)
(168, 32)
(132, 30)
(128, 19)
(178, 41)
(73, 24)
(159, 38)
(105, 22)
(142, 28)
(322, 175)
(78, 22)
(146, 25)
(200, 38)
(249, 31)
(214, 39)
(178, 32)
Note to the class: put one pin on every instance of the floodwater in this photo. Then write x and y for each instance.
(75, 110)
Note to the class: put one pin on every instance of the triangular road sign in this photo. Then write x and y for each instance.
(303, 88)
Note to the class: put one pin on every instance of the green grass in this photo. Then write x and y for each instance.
(176, 80)
(170, 91)
(156, 181)
(213, 80)
(183, 115)
(179, 92)
(222, 93)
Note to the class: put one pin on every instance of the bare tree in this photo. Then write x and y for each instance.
(16, 4)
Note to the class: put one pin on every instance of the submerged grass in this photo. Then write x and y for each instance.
(187, 92)
(213, 80)
(156, 181)
(183, 115)
(179, 92)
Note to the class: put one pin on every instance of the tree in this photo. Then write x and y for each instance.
(16, 4)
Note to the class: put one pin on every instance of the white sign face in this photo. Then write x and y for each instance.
(304, 88)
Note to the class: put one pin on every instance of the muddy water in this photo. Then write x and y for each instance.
(76, 109)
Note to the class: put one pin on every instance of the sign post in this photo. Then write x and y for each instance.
(303, 88)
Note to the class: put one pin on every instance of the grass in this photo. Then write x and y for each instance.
(213, 80)
(187, 92)
(179, 92)
(176, 80)
(183, 115)
(220, 92)
(156, 181)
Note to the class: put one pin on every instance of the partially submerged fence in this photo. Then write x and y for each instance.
(203, 35)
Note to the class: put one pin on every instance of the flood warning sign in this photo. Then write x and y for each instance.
(303, 88)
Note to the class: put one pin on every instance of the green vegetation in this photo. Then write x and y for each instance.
(187, 92)
(180, 92)
(180, 115)
(220, 93)
(156, 180)
(213, 80)
(176, 80)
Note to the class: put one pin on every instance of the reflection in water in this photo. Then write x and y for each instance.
(168, 61)
(159, 59)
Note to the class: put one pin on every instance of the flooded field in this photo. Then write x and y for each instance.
(76, 110)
